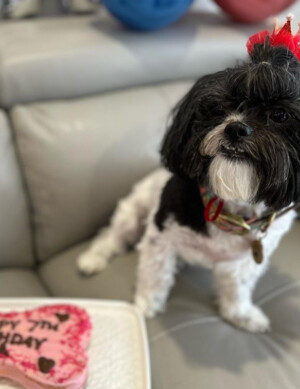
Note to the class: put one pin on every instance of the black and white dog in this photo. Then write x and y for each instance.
(236, 132)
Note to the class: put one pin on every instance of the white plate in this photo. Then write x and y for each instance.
(119, 354)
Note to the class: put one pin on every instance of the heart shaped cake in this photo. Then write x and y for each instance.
(45, 347)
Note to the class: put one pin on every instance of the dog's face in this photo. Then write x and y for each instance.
(238, 130)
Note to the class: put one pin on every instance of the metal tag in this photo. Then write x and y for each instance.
(257, 251)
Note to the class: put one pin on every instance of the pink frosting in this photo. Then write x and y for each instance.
(45, 346)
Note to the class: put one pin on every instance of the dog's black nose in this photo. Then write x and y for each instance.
(237, 130)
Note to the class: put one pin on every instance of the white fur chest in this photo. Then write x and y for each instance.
(219, 246)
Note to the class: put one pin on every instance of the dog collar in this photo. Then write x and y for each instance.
(239, 225)
(226, 221)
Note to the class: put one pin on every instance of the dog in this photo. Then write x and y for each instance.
(236, 135)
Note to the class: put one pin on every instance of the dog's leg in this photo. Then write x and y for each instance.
(156, 271)
(127, 224)
(125, 230)
(235, 282)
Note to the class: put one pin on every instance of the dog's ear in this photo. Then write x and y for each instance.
(178, 132)
(185, 115)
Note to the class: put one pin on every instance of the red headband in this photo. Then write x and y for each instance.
(279, 37)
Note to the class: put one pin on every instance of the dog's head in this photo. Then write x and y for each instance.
(238, 130)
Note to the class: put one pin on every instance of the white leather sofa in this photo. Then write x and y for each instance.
(84, 103)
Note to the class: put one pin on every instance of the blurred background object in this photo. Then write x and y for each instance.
(253, 11)
(80, 6)
(153, 14)
(17, 9)
(147, 14)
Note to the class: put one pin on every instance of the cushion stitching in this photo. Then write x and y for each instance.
(278, 292)
(190, 323)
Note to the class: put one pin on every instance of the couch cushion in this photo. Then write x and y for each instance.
(117, 282)
(15, 237)
(204, 349)
(63, 57)
(195, 345)
(80, 156)
(20, 283)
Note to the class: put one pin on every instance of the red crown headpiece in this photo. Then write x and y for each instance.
(279, 37)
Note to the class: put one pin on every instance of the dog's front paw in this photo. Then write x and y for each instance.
(147, 309)
(251, 319)
(89, 263)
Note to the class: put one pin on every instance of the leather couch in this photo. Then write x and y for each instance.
(84, 103)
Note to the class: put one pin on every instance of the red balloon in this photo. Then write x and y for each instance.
(251, 11)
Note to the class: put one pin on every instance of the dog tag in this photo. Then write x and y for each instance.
(257, 251)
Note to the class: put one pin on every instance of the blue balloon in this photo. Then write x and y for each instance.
(147, 14)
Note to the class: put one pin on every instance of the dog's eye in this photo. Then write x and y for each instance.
(279, 115)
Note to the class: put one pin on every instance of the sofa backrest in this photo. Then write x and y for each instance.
(79, 157)
(15, 235)
(69, 57)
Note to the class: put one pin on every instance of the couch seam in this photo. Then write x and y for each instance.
(44, 284)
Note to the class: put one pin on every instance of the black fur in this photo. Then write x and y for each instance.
(181, 199)
(269, 81)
